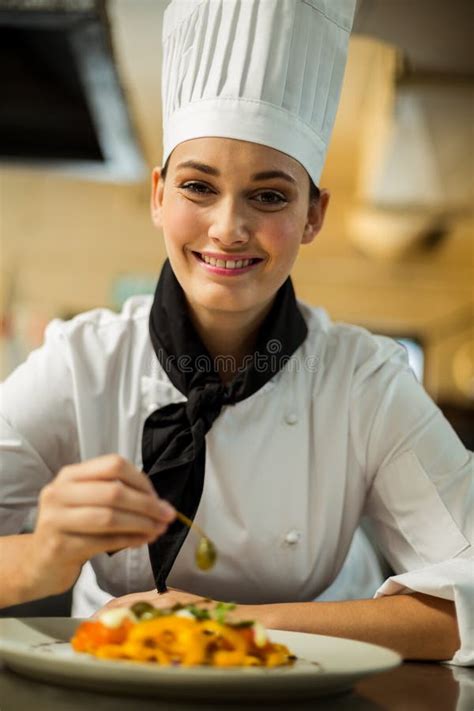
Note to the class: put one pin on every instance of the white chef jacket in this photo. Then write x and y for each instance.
(343, 430)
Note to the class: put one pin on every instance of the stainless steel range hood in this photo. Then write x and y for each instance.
(61, 102)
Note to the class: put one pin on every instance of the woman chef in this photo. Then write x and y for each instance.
(252, 413)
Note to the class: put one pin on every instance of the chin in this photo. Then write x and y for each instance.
(221, 303)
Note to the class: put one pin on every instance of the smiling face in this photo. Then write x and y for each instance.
(233, 215)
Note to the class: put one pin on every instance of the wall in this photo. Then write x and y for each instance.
(63, 241)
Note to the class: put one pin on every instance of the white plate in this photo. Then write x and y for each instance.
(39, 648)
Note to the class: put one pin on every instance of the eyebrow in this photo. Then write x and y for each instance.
(209, 170)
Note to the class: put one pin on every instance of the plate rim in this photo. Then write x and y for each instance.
(96, 669)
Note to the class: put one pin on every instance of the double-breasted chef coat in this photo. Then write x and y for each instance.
(344, 430)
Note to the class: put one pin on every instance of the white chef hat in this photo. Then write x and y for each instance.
(265, 71)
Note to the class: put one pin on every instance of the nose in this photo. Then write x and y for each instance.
(228, 226)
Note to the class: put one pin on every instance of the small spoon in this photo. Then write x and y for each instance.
(206, 553)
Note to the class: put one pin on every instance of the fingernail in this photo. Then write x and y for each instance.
(167, 510)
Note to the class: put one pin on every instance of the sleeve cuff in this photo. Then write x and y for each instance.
(450, 580)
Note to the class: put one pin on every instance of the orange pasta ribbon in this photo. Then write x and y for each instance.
(181, 640)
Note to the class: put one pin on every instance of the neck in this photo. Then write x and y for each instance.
(230, 335)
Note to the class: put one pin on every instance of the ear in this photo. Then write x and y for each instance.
(156, 201)
(316, 214)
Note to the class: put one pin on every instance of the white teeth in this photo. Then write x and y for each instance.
(226, 264)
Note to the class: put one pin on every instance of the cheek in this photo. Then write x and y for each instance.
(281, 237)
(181, 223)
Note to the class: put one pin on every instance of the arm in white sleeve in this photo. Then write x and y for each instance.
(420, 488)
(37, 427)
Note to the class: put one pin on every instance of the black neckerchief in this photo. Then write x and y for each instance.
(173, 443)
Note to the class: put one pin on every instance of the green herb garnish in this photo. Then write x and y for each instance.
(199, 613)
(221, 609)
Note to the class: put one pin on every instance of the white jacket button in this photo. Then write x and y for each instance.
(293, 537)
(291, 418)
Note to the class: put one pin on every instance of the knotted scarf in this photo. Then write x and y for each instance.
(173, 442)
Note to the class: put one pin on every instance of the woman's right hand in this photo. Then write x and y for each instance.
(100, 505)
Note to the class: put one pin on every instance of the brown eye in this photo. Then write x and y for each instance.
(196, 188)
(270, 197)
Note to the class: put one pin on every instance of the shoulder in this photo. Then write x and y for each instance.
(97, 345)
(353, 348)
(135, 312)
(103, 327)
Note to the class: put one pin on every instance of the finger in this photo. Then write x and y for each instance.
(84, 547)
(116, 495)
(101, 520)
(108, 467)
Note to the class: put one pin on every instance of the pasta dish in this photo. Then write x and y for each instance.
(184, 635)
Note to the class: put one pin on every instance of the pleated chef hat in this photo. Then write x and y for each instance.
(266, 71)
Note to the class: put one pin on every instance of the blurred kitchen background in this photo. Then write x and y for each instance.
(80, 130)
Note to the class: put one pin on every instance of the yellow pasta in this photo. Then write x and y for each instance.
(184, 636)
